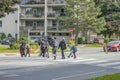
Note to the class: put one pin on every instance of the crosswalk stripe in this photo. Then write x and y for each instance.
(96, 62)
(80, 60)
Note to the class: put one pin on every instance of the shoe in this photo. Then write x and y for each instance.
(54, 57)
(68, 56)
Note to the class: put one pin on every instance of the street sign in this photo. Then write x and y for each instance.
(71, 29)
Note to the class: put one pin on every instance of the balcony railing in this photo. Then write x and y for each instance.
(29, 2)
(57, 2)
(40, 16)
(52, 14)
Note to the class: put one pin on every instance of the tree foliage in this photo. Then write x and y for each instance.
(6, 6)
(110, 11)
(82, 15)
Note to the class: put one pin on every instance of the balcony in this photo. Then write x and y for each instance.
(22, 27)
(33, 3)
(32, 16)
(56, 3)
(52, 15)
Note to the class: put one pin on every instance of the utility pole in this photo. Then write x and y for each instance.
(45, 22)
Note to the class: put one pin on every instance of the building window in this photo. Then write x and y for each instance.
(54, 23)
(0, 23)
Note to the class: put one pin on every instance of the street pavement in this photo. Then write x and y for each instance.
(90, 62)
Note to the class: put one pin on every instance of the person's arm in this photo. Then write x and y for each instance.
(59, 45)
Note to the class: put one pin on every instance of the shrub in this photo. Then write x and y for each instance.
(3, 36)
(9, 35)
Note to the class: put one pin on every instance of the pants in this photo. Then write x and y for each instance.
(27, 53)
(63, 56)
(73, 54)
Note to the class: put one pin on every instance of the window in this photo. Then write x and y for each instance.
(0, 23)
(54, 23)
(28, 11)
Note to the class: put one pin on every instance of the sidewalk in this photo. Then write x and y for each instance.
(14, 54)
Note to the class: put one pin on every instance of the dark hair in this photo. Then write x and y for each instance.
(54, 37)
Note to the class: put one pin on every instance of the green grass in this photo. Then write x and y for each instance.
(93, 45)
(108, 77)
(4, 49)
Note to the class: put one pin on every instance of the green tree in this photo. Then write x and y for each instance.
(82, 15)
(6, 6)
(110, 11)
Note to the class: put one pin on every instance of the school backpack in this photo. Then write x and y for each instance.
(75, 49)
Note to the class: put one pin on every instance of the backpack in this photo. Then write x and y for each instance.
(75, 49)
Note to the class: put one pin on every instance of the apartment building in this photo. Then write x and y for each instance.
(38, 17)
(9, 24)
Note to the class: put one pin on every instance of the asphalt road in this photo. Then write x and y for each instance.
(90, 62)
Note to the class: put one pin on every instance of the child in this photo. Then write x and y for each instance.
(73, 51)
(27, 50)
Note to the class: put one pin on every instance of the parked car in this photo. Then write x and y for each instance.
(38, 39)
(96, 40)
(34, 40)
(113, 46)
(7, 41)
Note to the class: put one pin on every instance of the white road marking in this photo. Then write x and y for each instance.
(76, 75)
(96, 61)
(83, 60)
(12, 75)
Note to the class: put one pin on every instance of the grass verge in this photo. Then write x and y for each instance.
(108, 77)
(7, 49)
(93, 45)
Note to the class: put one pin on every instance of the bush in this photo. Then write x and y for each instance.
(106, 40)
(82, 40)
(9, 35)
(14, 45)
(3, 36)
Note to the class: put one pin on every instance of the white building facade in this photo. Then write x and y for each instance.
(10, 24)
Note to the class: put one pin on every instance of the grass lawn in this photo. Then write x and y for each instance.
(4, 49)
(93, 45)
(108, 77)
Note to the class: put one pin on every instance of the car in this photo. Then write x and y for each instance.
(96, 40)
(113, 46)
(34, 40)
(7, 41)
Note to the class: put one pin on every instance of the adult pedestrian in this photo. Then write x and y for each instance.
(62, 46)
(22, 50)
(42, 47)
(54, 48)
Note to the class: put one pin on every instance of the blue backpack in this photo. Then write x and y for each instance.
(75, 49)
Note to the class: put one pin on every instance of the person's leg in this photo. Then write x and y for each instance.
(29, 54)
(55, 55)
(63, 56)
(70, 54)
(74, 55)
